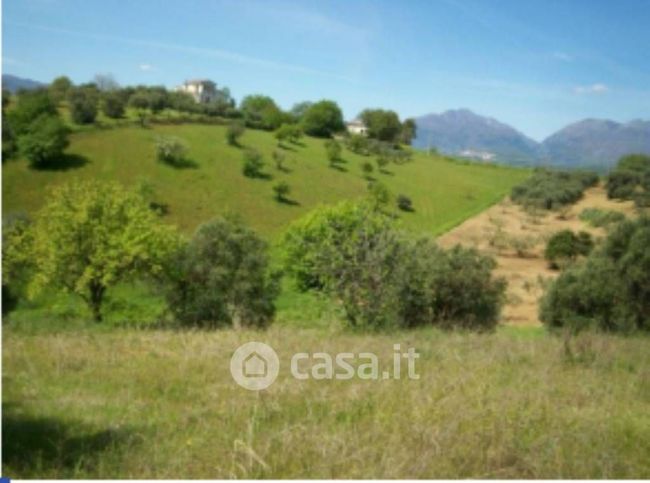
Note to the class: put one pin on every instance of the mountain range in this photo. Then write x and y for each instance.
(590, 143)
(14, 83)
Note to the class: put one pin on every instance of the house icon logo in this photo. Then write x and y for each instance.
(254, 366)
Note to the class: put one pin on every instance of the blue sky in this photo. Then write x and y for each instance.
(537, 65)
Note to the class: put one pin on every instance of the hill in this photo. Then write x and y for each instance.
(590, 143)
(462, 132)
(596, 143)
(14, 83)
(444, 192)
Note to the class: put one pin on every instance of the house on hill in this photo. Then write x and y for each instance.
(357, 127)
(202, 90)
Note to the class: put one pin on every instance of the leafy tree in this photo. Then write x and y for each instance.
(262, 112)
(30, 106)
(298, 110)
(549, 189)
(284, 133)
(281, 190)
(59, 89)
(382, 162)
(408, 132)
(379, 194)
(44, 141)
(382, 125)
(140, 102)
(565, 246)
(404, 203)
(253, 163)
(90, 236)
(631, 179)
(83, 102)
(367, 169)
(234, 131)
(323, 119)
(222, 277)
(113, 105)
(358, 144)
(333, 151)
(279, 159)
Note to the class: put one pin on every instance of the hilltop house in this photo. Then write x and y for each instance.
(203, 90)
(357, 127)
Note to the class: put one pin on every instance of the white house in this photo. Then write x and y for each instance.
(203, 90)
(357, 127)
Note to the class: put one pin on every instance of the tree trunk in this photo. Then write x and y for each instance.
(96, 297)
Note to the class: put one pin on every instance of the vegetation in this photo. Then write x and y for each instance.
(382, 125)
(323, 119)
(83, 102)
(171, 150)
(60, 88)
(113, 105)
(253, 163)
(261, 112)
(221, 277)
(234, 131)
(333, 150)
(89, 237)
(601, 218)
(288, 132)
(631, 179)
(404, 203)
(549, 190)
(610, 290)
(566, 246)
(281, 190)
(44, 141)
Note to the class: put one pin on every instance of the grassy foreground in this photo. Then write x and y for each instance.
(162, 404)
(444, 192)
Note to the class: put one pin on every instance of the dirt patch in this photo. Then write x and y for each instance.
(517, 238)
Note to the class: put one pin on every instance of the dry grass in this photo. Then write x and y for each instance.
(517, 238)
(157, 404)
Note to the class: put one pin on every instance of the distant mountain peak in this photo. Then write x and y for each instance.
(14, 83)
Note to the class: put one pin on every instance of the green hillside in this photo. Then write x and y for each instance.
(444, 192)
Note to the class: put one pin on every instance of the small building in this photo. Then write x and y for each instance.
(202, 90)
(357, 127)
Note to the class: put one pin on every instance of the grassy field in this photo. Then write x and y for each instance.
(162, 404)
(443, 192)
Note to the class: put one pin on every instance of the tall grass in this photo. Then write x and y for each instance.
(162, 404)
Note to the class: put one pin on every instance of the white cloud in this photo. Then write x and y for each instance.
(591, 89)
(563, 56)
(146, 67)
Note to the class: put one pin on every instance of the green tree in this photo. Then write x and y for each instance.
(323, 119)
(253, 163)
(367, 169)
(30, 106)
(283, 133)
(382, 125)
(404, 203)
(234, 131)
(83, 101)
(171, 150)
(45, 140)
(113, 105)
(408, 132)
(262, 112)
(222, 277)
(298, 110)
(333, 151)
(281, 190)
(59, 88)
(140, 102)
(89, 236)
(379, 194)
(565, 246)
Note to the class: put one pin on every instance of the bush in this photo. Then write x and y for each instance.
(610, 290)
(113, 105)
(234, 131)
(44, 142)
(358, 144)
(565, 246)
(631, 179)
(601, 218)
(83, 104)
(379, 194)
(278, 158)
(367, 169)
(333, 151)
(404, 203)
(171, 150)
(31, 106)
(553, 189)
(281, 190)
(222, 278)
(288, 132)
(253, 163)
(261, 112)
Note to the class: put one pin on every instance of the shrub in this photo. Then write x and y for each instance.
(83, 104)
(253, 163)
(278, 158)
(261, 112)
(404, 203)
(333, 151)
(171, 150)
(552, 189)
(358, 144)
(367, 169)
(610, 290)
(44, 142)
(31, 106)
(631, 179)
(113, 105)
(379, 194)
(222, 278)
(565, 246)
(288, 132)
(234, 131)
(281, 190)
(601, 218)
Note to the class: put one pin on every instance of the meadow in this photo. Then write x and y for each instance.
(95, 403)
